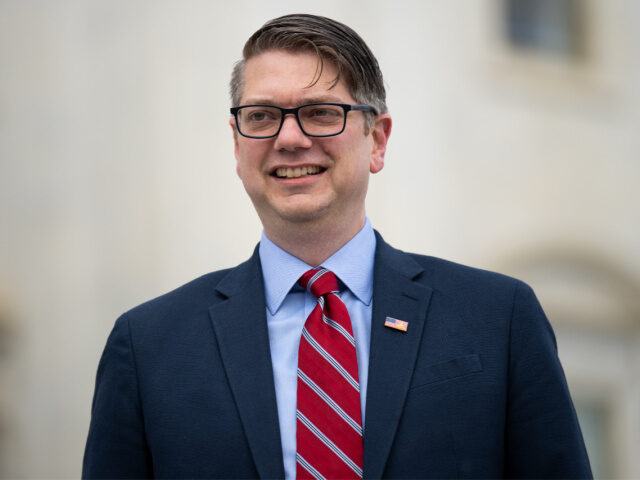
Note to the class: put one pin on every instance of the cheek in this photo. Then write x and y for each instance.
(345, 151)
(247, 157)
(359, 159)
(243, 162)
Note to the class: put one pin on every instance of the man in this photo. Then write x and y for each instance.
(380, 364)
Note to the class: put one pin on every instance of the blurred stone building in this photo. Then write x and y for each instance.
(515, 148)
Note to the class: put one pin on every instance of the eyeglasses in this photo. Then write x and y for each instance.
(314, 119)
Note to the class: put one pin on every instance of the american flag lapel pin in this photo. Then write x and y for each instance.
(396, 324)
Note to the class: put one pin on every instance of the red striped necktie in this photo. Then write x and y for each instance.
(329, 419)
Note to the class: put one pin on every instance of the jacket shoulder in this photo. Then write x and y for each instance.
(447, 276)
(196, 296)
(449, 271)
(439, 274)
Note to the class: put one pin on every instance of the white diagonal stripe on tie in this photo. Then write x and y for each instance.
(316, 276)
(334, 363)
(336, 325)
(308, 467)
(334, 406)
(332, 446)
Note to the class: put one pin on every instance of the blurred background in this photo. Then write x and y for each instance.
(516, 148)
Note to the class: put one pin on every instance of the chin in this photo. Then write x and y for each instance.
(302, 214)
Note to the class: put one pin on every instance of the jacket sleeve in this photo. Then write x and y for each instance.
(116, 445)
(543, 438)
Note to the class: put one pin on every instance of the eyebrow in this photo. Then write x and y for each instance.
(303, 101)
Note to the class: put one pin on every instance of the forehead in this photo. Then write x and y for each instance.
(282, 76)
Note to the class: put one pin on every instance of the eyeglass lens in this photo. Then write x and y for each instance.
(264, 121)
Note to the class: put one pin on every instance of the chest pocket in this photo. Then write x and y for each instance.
(448, 370)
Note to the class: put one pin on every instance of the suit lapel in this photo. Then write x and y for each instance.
(393, 353)
(240, 326)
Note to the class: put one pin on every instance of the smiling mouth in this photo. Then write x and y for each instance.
(297, 172)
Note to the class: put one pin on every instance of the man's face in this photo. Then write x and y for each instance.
(343, 162)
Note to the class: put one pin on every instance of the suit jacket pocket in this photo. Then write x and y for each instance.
(448, 370)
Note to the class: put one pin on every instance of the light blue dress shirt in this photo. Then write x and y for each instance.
(288, 306)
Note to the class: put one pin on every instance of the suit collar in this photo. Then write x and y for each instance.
(389, 258)
(237, 278)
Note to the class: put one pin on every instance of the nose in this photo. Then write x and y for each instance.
(291, 136)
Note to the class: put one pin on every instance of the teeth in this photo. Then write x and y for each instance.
(297, 172)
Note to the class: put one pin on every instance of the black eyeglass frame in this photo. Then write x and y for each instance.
(294, 111)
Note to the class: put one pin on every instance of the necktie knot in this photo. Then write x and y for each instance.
(319, 281)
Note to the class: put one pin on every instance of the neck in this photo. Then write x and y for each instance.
(313, 243)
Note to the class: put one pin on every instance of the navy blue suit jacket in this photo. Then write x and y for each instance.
(473, 389)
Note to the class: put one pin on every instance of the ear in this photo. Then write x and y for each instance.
(232, 124)
(380, 131)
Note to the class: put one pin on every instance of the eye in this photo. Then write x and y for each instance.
(323, 112)
(319, 112)
(260, 115)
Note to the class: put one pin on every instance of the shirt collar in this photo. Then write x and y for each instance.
(352, 264)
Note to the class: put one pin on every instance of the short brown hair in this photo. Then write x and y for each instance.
(332, 41)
